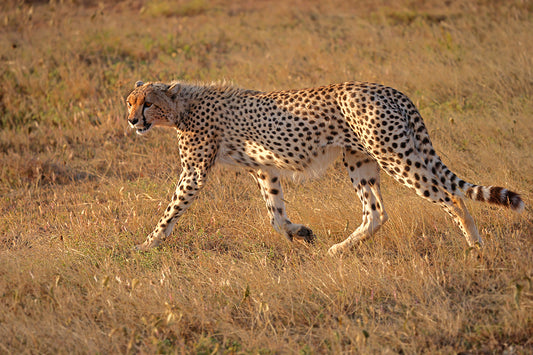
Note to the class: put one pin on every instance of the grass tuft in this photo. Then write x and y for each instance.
(159, 8)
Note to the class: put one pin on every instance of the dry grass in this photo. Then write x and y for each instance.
(78, 188)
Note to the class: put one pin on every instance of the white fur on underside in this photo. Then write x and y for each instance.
(315, 168)
(318, 166)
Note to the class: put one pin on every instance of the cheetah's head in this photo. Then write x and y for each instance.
(152, 104)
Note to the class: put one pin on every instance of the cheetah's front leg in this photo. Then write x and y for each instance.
(190, 182)
(273, 195)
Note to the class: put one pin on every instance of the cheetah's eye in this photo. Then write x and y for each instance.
(128, 103)
(147, 104)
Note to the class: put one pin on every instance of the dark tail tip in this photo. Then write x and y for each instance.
(514, 201)
(496, 195)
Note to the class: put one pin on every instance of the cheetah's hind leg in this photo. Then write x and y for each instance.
(364, 174)
(151, 242)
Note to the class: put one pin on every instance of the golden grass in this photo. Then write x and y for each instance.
(78, 188)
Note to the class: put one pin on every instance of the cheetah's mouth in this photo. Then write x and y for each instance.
(144, 129)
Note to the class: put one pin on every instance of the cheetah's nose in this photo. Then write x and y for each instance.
(133, 121)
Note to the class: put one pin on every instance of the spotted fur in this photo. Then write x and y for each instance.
(300, 132)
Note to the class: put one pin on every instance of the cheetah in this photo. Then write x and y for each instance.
(272, 134)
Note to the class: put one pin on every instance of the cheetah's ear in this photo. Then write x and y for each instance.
(139, 83)
(173, 90)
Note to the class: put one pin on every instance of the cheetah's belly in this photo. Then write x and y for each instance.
(307, 164)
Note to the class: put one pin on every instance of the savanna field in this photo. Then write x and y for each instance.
(78, 187)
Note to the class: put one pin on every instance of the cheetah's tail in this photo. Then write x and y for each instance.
(492, 194)
(496, 195)
(455, 186)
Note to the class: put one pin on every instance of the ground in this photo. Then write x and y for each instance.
(78, 188)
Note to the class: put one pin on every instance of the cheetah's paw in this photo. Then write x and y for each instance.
(301, 234)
